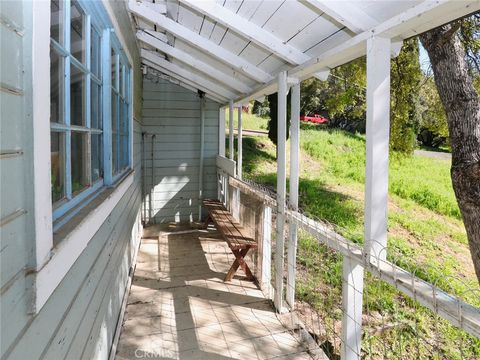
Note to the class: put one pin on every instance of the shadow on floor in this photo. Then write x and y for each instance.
(180, 308)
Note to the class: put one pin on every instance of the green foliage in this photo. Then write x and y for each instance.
(405, 81)
(346, 91)
(432, 114)
(261, 108)
(273, 123)
(342, 96)
(470, 38)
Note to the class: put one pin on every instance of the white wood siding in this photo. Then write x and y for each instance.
(172, 113)
(80, 317)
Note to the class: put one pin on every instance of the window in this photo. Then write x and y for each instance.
(120, 123)
(81, 139)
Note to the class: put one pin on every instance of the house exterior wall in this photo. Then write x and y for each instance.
(172, 113)
(80, 317)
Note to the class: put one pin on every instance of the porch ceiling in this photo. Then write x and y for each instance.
(235, 49)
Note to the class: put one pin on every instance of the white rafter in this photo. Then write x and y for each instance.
(156, 71)
(420, 18)
(147, 37)
(158, 35)
(206, 84)
(345, 13)
(205, 45)
(249, 30)
(176, 79)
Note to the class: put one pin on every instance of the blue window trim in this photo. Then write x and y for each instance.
(96, 16)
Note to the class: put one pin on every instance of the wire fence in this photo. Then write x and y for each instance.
(387, 302)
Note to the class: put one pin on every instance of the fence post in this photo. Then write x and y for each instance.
(293, 199)
(281, 188)
(266, 251)
(352, 300)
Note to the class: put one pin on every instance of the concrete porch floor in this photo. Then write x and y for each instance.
(180, 308)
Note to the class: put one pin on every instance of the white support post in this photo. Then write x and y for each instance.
(221, 151)
(221, 132)
(293, 199)
(230, 131)
(376, 192)
(239, 144)
(237, 194)
(378, 130)
(231, 153)
(281, 188)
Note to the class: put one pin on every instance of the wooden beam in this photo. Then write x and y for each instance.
(201, 43)
(281, 188)
(187, 83)
(347, 14)
(186, 74)
(248, 30)
(230, 81)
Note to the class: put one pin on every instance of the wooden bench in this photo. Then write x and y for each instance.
(233, 233)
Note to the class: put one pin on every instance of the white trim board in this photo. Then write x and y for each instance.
(70, 248)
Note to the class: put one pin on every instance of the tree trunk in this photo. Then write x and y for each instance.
(462, 107)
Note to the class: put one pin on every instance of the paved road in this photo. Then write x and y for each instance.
(251, 132)
(434, 154)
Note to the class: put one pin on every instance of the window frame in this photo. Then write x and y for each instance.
(53, 261)
(70, 204)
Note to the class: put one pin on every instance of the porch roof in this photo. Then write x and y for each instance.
(233, 50)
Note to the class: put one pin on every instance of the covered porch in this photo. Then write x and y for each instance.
(179, 307)
(189, 311)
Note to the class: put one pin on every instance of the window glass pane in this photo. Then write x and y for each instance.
(77, 96)
(114, 111)
(114, 131)
(96, 141)
(114, 69)
(124, 119)
(95, 52)
(124, 151)
(77, 32)
(120, 87)
(79, 161)
(115, 153)
(56, 21)
(56, 86)
(57, 158)
(96, 106)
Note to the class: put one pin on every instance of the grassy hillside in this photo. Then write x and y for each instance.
(249, 121)
(425, 235)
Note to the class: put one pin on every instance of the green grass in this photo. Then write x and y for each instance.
(249, 121)
(425, 181)
(426, 236)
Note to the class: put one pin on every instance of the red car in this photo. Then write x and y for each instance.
(316, 119)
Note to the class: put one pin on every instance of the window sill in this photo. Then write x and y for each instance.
(73, 237)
